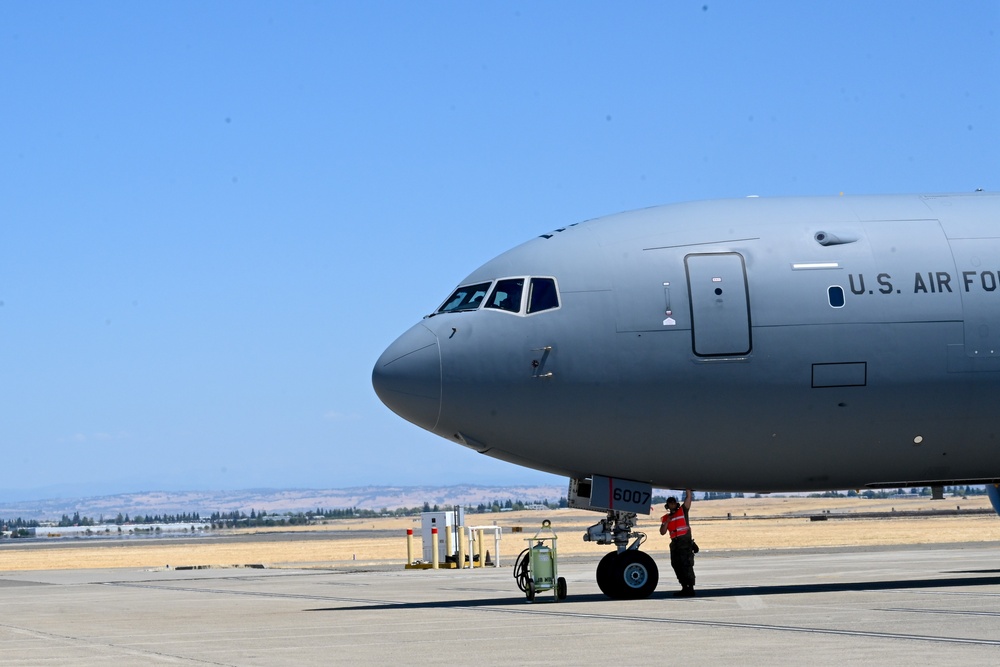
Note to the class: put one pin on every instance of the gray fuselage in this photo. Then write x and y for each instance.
(753, 344)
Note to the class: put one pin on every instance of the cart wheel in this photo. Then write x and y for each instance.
(560, 589)
(530, 590)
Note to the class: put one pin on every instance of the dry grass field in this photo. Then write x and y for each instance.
(738, 524)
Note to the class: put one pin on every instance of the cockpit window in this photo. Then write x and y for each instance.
(507, 295)
(466, 297)
(542, 295)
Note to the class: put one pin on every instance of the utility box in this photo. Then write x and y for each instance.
(441, 520)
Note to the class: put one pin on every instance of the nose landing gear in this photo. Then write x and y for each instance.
(627, 573)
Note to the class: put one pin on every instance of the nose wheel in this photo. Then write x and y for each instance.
(629, 575)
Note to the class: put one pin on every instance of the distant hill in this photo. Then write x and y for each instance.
(275, 500)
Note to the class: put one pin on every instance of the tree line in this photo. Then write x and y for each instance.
(18, 527)
(239, 518)
(924, 491)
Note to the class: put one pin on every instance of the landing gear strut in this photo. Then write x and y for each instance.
(626, 573)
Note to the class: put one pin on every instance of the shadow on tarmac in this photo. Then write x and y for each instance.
(703, 593)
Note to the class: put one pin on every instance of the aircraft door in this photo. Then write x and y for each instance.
(720, 305)
(978, 283)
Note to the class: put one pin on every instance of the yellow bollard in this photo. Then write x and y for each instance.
(479, 548)
(409, 546)
(448, 551)
(434, 549)
(461, 547)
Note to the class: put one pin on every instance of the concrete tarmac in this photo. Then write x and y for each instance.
(895, 605)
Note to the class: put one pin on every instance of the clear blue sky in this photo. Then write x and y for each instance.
(215, 216)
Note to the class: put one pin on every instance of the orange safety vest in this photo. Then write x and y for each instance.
(677, 523)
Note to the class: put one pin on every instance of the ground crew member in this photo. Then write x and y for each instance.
(682, 547)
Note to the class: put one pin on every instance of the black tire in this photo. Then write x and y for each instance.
(560, 589)
(530, 591)
(630, 575)
(605, 575)
(637, 573)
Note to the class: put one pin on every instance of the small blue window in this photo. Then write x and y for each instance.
(836, 293)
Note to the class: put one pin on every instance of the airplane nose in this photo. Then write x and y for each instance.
(407, 377)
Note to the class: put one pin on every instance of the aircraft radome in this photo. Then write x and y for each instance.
(787, 344)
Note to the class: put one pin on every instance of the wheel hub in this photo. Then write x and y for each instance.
(636, 575)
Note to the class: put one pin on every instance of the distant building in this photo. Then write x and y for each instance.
(113, 530)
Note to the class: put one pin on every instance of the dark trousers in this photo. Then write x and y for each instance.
(682, 559)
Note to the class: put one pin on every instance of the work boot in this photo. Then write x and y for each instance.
(685, 592)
